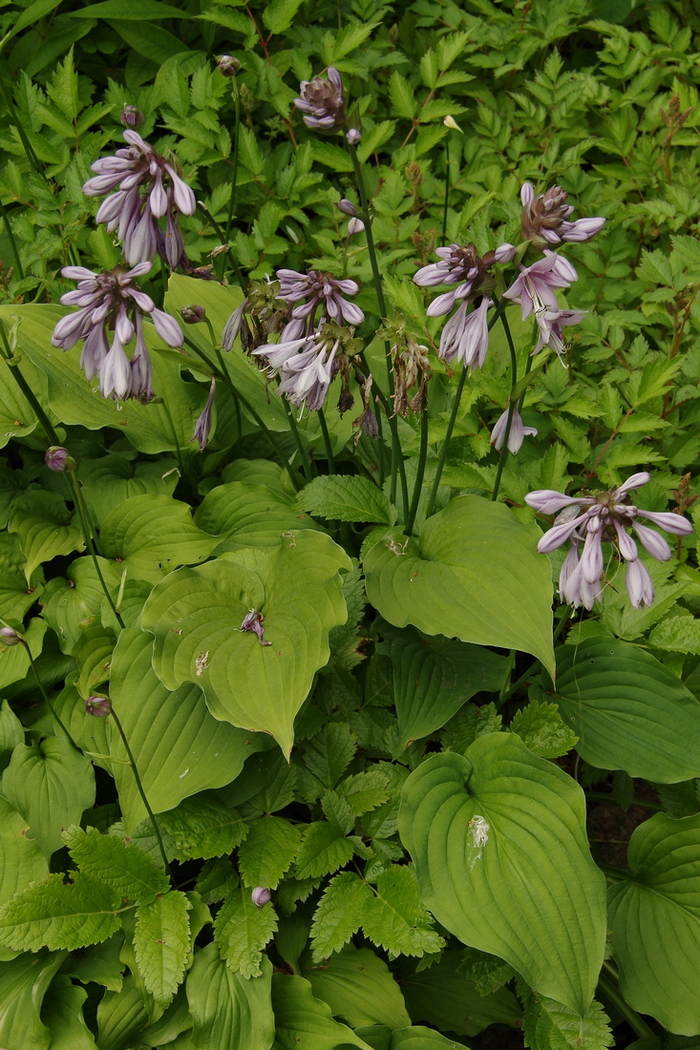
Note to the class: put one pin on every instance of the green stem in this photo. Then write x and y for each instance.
(327, 441)
(446, 443)
(220, 233)
(614, 874)
(234, 176)
(420, 468)
(87, 533)
(611, 992)
(299, 441)
(142, 793)
(176, 443)
(45, 695)
(447, 188)
(11, 239)
(511, 407)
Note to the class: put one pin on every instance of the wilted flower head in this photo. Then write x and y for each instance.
(148, 188)
(314, 290)
(58, 458)
(131, 117)
(463, 266)
(545, 218)
(253, 621)
(260, 896)
(518, 432)
(99, 706)
(112, 308)
(322, 101)
(587, 521)
(411, 368)
(203, 427)
(535, 288)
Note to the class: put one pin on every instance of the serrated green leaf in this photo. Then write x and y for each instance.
(330, 751)
(542, 729)
(337, 810)
(228, 1010)
(475, 576)
(514, 820)
(23, 985)
(162, 943)
(546, 1023)
(196, 616)
(43, 525)
(402, 95)
(346, 498)
(364, 791)
(396, 920)
(268, 851)
(241, 931)
(359, 988)
(488, 972)
(323, 850)
(279, 15)
(50, 784)
(628, 710)
(339, 914)
(55, 914)
(300, 1016)
(679, 634)
(203, 827)
(126, 869)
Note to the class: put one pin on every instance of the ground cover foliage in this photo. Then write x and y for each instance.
(304, 742)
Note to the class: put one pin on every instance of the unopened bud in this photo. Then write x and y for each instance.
(9, 636)
(346, 206)
(260, 896)
(450, 122)
(193, 314)
(131, 117)
(353, 136)
(58, 459)
(355, 226)
(99, 706)
(228, 65)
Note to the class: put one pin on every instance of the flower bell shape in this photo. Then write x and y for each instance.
(318, 291)
(586, 521)
(518, 432)
(546, 218)
(535, 288)
(322, 101)
(461, 266)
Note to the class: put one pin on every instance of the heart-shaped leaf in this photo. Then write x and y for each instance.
(655, 922)
(197, 617)
(498, 839)
(629, 711)
(44, 527)
(110, 480)
(475, 574)
(249, 515)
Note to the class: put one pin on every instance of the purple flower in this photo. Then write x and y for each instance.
(354, 137)
(59, 459)
(463, 266)
(306, 365)
(535, 288)
(203, 427)
(322, 101)
(112, 308)
(260, 896)
(9, 636)
(588, 521)
(346, 206)
(518, 432)
(131, 117)
(148, 188)
(99, 706)
(546, 218)
(253, 621)
(465, 337)
(550, 324)
(355, 226)
(317, 289)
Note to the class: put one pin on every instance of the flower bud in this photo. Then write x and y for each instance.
(260, 896)
(193, 314)
(228, 65)
(450, 122)
(355, 226)
(131, 117)
(9, 636)
(58, 459)
(99, 706)
(346, 206)
(353, 136)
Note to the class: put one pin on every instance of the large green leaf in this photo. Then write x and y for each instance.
(629, 711)
(304, 1022)
(474, 574)
(128, 870)
(434, 677)
(150, 535)
(62, 1011)
(109, 481)
(419, 1038)
(50, 784)
(228, 1010)
(498, 839)
(17, 418)
(359, 988)
(15, 596)
(73, 603)
(156, 427)
(43, 525)
(178, 747)
(250, 515)
(58, 914)
(120, 1016)
(21, 858)
(23, 985)
(655, 922)
(197, 614)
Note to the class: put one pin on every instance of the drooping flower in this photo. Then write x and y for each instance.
(463, 266)
(112, 308)
(535, 288)
(518, 432)
(203, 426)
(148, 189)
(546, 218)
(465, 337)
(322, 101)
(587, 521)
(550, 324)
(317, 289)
(308, 364)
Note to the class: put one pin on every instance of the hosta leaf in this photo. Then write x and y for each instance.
(498, 839)
(71, 602)
(629, 711)
(228, 1010)
(395, 918)
(150, 535)
(268, 851)
(340, 914)
(15, 596)
(323, 850)
(100, 963)
(542, 729)
(203, 827)
(300, 1016)
(55, 914)
(23, 985)
(241, 931)
(162, 942)
(419, 1038)
(21, 858)
(547, 1024)
(62, 1010)
(120, 1016)
(14, 660)
(196, 616)
(17, 417)
(359, 988)
(11, 733)
(434, 677)
(43, 525)
(179, 748)
(655, 922)
(50, 784)
(346, 497)
(128, 870)
(249, 515)
(108, 481)
(474, 574)
(93, 655)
